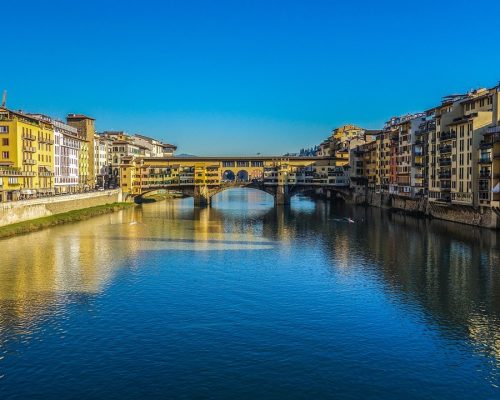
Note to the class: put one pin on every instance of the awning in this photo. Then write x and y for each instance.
(496, 189)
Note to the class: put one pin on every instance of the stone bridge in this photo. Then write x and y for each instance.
(204, 177)
(203, 194)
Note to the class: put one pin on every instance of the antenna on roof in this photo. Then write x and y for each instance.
(4, 98)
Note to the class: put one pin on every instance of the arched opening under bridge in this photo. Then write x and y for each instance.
(241, 198)
(242, 176)
(228, 176)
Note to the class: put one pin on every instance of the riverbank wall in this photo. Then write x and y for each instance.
(486, 217)
(26, 210)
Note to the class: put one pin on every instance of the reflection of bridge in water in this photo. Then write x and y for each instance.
(204, 177)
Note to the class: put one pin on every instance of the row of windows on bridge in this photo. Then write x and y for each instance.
(231, 164)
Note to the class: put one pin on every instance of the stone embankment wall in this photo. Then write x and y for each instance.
(482, 216)
(25, 210)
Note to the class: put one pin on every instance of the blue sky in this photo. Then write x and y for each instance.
(242, 77)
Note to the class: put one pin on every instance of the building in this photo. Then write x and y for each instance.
(86, 130)
(338, 147)
(67, 144)
(103, 162)
(26, 156)
(489, 156)
(156, 148)
(409, 161)
(462, 121)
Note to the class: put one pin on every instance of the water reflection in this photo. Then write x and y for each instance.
(447, 272)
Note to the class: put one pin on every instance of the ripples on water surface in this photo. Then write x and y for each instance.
(245, 301)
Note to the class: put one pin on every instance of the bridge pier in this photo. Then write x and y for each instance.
(201, 196)
(282, 195)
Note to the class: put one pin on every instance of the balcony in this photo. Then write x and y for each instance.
(446, 186)
(28, 136)
(448, 135)
(445, 161)
(10, 172)
(485, 174)
(445, 176)
(44, 140)
(445, 149)
(484, 187)
(29, 161)
(485, 145)
(493, 130)
(485, 159)
(29, 149)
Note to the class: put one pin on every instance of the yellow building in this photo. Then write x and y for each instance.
(460, 124)
(83, 166)
(26, 155)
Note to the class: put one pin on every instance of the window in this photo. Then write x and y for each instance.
(4, 129)
(5, 154)
(5, 142)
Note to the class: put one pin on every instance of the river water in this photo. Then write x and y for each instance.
(247, 301)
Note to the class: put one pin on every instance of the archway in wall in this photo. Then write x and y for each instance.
(228, 176)
(242, 176)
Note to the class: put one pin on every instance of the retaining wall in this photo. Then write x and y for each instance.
(25, 210)
(482, 216)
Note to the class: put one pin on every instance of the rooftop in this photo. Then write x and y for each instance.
(79, 116)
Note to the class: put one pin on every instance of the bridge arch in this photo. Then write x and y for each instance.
(228, 176)
(242, 176)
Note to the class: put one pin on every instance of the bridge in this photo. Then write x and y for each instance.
(204, 177)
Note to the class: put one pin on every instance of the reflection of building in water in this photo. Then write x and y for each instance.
(448, 269)
(182, 227)
(55, 263)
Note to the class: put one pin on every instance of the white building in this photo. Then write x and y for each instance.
(102, 147)
(67, 148)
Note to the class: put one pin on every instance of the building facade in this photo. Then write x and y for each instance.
(26, 156)
(67, 144)
(86, 130)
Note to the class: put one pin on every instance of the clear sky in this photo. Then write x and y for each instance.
(244, 77)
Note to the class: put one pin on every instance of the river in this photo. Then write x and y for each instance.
(246, 301)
